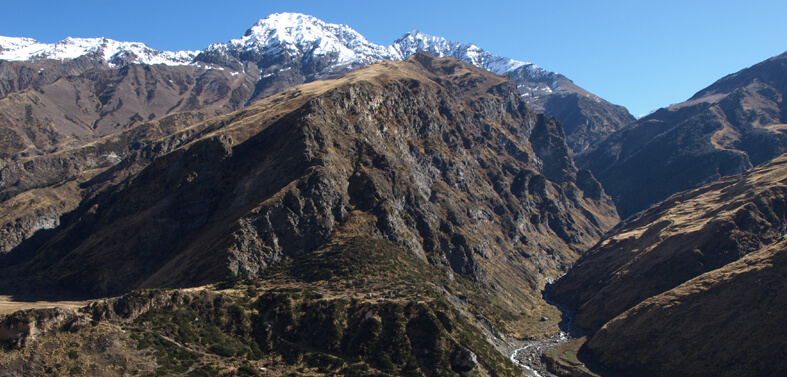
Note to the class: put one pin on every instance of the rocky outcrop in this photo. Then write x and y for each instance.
(433, 154)
(24, 327)
(723, 130)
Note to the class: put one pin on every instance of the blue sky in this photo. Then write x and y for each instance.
(639, 54)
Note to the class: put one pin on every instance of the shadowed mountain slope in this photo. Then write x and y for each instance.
(727, 322)
(734, 124)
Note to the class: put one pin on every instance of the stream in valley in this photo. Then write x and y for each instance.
(528, 356)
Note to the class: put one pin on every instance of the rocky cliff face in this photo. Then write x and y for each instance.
(586, 118)
(691, 286)
(433, 154)
(734, 124)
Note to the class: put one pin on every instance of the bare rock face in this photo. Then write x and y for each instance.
(734, 124)
(22, 328)
(464, 361)
(436, 155)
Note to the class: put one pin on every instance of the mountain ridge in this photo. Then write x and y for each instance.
(730, 126)
(293, 48)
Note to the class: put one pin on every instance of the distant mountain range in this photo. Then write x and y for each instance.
(114, 53)
(289, 48)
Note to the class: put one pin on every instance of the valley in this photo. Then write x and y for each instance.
(300, 201)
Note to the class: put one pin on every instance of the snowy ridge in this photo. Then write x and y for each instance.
(279, 38)
(113, 52)
(416, 41)
(301, 35)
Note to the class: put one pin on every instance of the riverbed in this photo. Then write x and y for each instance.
(529, 355)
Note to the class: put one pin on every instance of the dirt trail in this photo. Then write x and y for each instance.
(9, 305)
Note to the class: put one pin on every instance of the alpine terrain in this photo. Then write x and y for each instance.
(72, 109)
(431, 165)
(302, 201)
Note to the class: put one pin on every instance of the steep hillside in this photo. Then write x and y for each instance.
(74, 127)
(727, 322)
(586, 118)
(689, 234)
(435, 155)
(357, 307)
(734, 124)
(693, 286)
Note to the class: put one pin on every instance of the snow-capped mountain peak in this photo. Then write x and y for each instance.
(302, 34)
(113, 52)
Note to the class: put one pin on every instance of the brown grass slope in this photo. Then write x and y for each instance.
(727, 322)
(41, 124)
(689, 234)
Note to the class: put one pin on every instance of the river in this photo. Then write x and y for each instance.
(529, 355)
